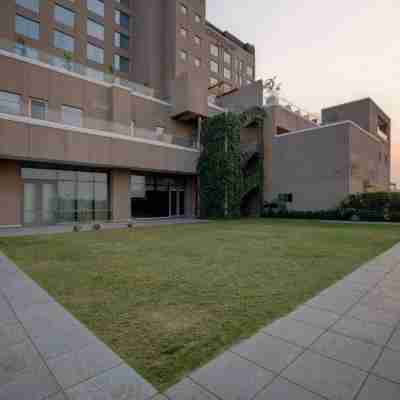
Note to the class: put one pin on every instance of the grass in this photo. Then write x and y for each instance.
(170, 298)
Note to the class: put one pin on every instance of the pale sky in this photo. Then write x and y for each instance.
(324, 52)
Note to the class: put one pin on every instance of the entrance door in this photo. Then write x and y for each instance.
(40, 203)
(173, 203)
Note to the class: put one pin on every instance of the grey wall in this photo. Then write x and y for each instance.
(313, 166)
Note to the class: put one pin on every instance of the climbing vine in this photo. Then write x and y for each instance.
(223, 183)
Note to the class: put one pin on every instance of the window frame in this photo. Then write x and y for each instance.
(19, 102)
(214, 46)
(92, 22)
(58, 6)
(88, 44)
(212, 62)
(63, 109)
(30, 20)
(117, 43)
(55, 32)
(41, 101)
(34, 9)
(101, 14)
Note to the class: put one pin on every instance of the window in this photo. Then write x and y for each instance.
(32, 5)
(183, 32)
(121, 63)
(121, 40)
(64, 16)
(95, 54)
(227, 58)
(183, 55)
(197, 62)
(250, 71)
(125, 3)
(71, 115)
(10, 103)
(197, 40)
(212, 82)
(241, 65)
(96, 6)
(227, 73)
(95, 30)
(214, 51)
(121, 19)
(184, 9)
(197, 18)
(285, 197)
(38, 109)
(63, 41)
(213, 67)
(138, 186)
(27, 27)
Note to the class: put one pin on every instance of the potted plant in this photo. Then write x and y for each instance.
(68, 59)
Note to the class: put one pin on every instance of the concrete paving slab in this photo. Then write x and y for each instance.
(327, 377)
(32, 384)
(363, 330)
(376, 388)
(293, 331)
(365, 313)
(6, 312)
(281, 389)
(188, 390)
(314, 316)
(231, 377)
(352, 351)
(268, 351)
(388, 365)
(11, 333)
(394, 342)
(78, 366)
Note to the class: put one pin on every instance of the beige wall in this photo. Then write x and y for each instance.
(11, 193)
(119, 193)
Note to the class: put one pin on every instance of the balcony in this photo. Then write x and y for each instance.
(8, 47)
(39, 113)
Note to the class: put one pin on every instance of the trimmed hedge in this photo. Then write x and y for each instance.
(374, 207)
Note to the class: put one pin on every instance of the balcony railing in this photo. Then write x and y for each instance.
(42, 112)
(72, 66)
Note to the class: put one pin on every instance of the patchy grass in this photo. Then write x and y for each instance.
(169, 298)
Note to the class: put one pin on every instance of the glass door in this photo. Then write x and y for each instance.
(173, 203)
(182, 203)
(48, 203)
(30, 204)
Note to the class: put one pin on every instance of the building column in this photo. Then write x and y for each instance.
(11, 194)
(190, 198)
(119, 195)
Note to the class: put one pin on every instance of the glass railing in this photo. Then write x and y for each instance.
(72, 66)
(41, 112)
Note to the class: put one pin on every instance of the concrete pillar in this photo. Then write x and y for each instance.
(11, 193)
(190, 197)
(121, 110)
(120, 200)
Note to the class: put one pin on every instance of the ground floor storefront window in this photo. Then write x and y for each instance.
(54, 196)
(155, 196)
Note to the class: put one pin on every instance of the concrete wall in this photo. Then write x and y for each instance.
(11, 193)
(119, 193)
(370, 162)
(313, 166)
(244, 98)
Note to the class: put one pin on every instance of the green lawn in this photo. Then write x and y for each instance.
(170, 298)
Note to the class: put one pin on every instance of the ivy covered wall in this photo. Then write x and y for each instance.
(223, 182)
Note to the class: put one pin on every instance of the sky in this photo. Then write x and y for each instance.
(324, 52)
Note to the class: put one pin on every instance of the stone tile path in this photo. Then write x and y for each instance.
(344, 344)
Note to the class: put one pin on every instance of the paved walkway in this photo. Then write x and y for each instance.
(344, 344)
(64, 228)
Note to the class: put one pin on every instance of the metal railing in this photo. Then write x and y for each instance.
(16, 106)
(31, 53)
(275, 99)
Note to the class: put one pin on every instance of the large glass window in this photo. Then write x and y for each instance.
(122, 19)
(96, 6)
(121, 63)
(10, 103)
(121, 40)
(27, 27)
(95, 54)
(29, 4)
(64, 16)
(227, 58)
(70, 196)
(64, 42)
(94, 29)
(71, 115)
(214, 50)
(213, 67)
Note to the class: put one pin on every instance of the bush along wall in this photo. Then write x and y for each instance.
(379, 207)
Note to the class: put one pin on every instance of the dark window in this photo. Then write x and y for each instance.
(38, 109)
(122, 19)
(280, 130)
(121, 40)
(121, 63)
(285, 197)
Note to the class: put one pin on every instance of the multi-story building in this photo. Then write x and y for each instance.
(101, 103)
(101, 107)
